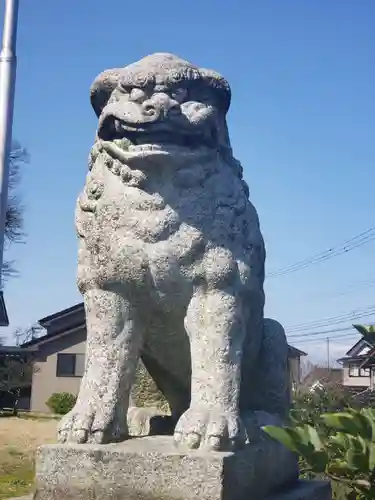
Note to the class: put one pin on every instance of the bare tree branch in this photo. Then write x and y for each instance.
(25, 335)
(14, 223)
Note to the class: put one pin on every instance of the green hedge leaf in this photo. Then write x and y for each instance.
(344, 422)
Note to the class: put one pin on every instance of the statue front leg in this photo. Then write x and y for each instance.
(216, 329)
(114, 336)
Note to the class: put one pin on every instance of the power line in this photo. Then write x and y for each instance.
(347, 246)
(335, 338)
(323, 339)
(338, 321)
(322, 332)
(350, 288)
(351, 315)
(346, 290)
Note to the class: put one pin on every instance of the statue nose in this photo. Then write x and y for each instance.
(151, 109)
(159, 106)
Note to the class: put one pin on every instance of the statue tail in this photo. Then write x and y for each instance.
(268, 388)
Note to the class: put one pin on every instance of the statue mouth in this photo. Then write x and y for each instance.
(148, 141)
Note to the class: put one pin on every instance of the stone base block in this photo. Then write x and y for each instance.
(305, 490)
(152, 467)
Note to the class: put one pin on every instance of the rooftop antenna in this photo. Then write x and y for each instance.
(8, 64)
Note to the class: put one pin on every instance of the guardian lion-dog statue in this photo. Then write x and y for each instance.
(171, 264)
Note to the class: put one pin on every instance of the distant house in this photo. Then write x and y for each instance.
(359, 364)
(60, 356)
(295, 366)
(323, 376)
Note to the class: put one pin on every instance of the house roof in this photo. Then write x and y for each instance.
(65, 313)
(369, 359)
(35, 342)
(368, 362)
(351, 359)
(16, 350)
(295, 353)
(361, 351)
(60, 323)
(319, 373)
(363, 342)
(355, 347)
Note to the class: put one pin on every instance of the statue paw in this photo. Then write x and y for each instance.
(87, 423)
(211, 429)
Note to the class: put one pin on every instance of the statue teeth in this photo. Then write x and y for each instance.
(123, 143)
(143, 147)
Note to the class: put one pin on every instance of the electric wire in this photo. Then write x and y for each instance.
(323, 332)
(333, 320)
(331, 339)
(347, 246)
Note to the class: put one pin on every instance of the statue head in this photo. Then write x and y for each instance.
(161, 103)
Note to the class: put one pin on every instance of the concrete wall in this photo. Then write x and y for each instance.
(45, 381)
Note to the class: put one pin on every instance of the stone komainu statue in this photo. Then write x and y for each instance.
(171, 264)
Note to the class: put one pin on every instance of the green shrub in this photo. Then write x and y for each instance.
(342, 449)
(308, 406)
(61, 402)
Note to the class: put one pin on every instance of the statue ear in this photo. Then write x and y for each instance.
(102, 88)
(219, 85)
(225, 147)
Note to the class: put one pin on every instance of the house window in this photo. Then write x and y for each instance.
(364, 372)
(353, 371)
(70, 365)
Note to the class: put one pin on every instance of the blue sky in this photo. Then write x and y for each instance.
(301, 122)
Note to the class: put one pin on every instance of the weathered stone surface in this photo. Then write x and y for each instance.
(171, 262)
(153, 468)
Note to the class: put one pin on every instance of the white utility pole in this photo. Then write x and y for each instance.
(8, 64)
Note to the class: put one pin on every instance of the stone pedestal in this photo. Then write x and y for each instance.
(151, 468)
(305, 490)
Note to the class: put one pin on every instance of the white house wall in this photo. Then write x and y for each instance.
(354, 381)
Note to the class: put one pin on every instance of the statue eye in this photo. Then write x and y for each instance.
(201, 94)
(206, 96)
(179, 94)
(124, 89)
(138, 95)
